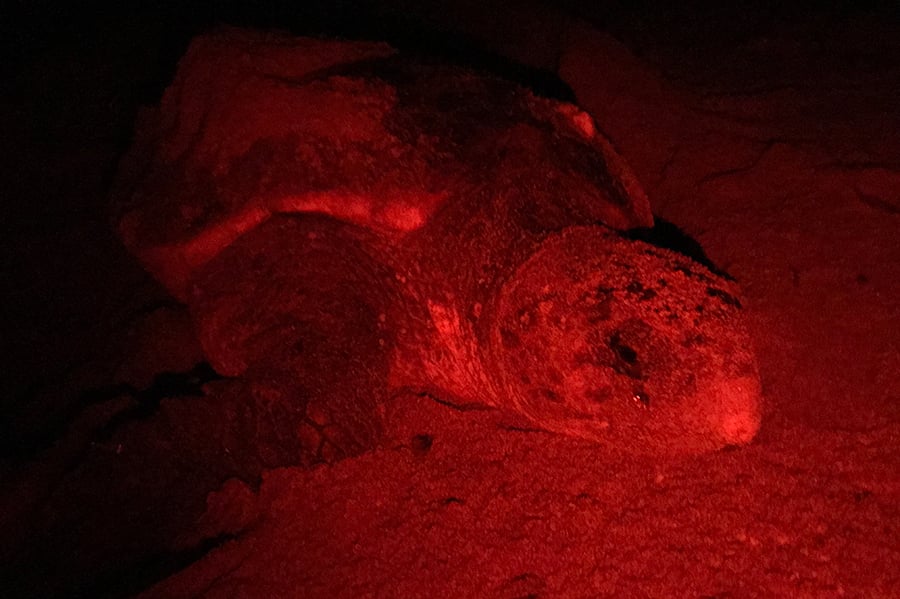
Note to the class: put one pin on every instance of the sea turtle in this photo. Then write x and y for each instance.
(346, 224)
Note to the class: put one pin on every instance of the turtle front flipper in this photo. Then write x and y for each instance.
(296, 308)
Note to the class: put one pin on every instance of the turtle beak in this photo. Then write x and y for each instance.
(736, 407)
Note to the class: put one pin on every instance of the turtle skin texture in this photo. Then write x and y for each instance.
(349, 233)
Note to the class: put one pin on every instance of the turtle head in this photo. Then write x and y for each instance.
(626, 344)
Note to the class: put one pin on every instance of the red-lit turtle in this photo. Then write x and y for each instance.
(344, 234)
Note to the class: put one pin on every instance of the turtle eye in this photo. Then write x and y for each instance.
(632, 348)
(623, 351)
(626, 357)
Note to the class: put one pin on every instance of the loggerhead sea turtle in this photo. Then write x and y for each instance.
(346, 225)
